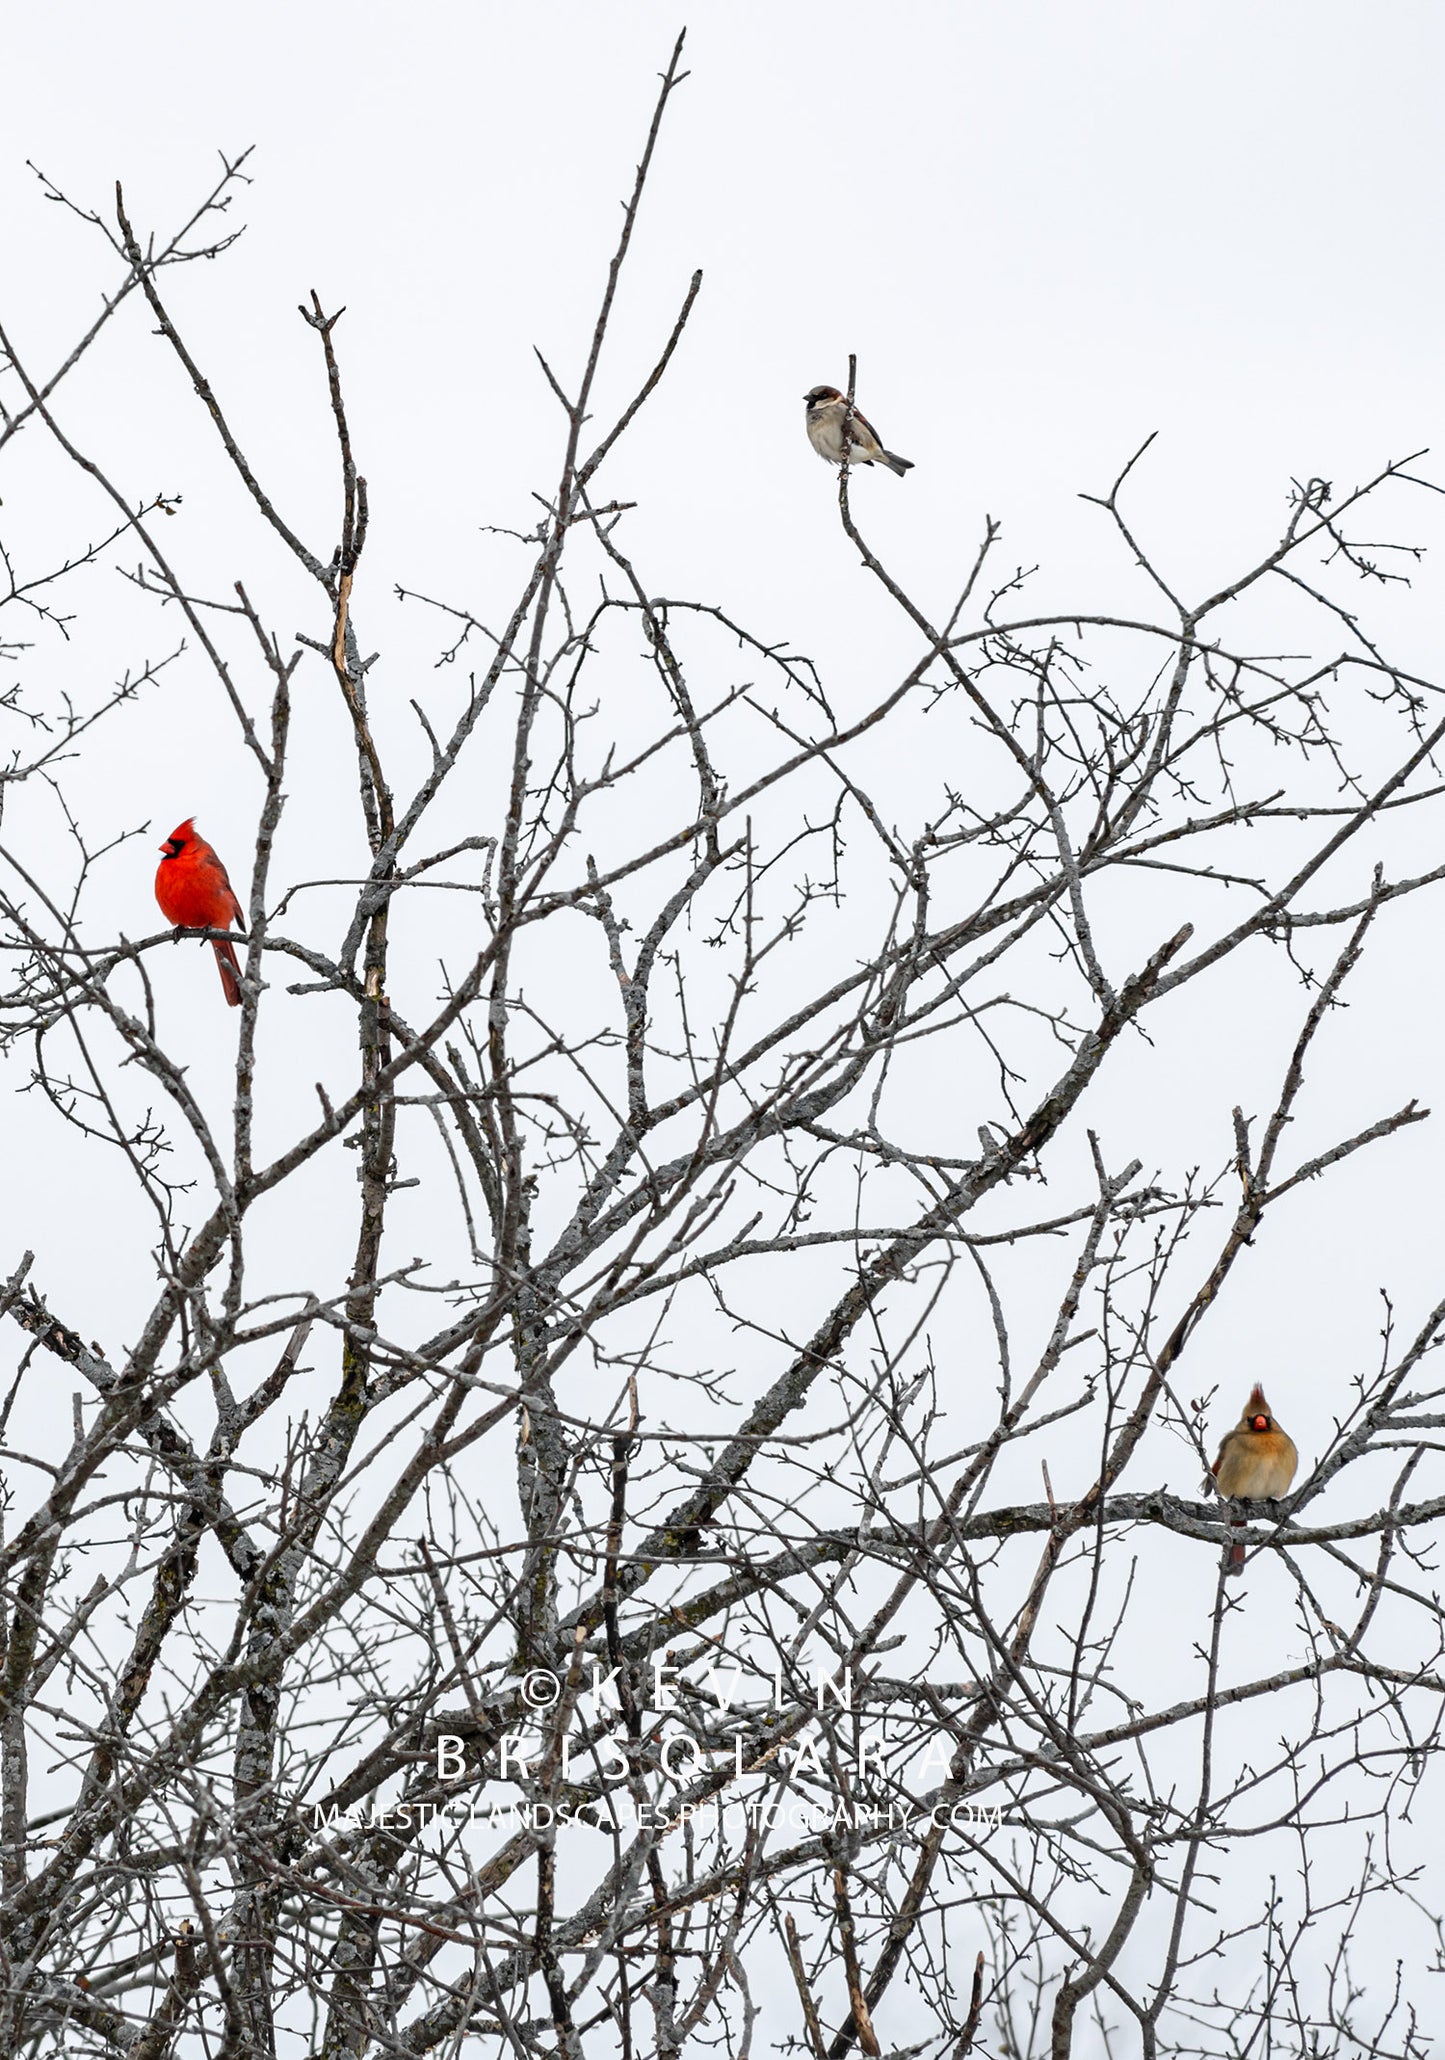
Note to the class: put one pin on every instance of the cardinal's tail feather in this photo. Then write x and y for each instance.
(229, 967)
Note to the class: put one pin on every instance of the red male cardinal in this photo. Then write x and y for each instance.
(195, 894)
(1256, 1462)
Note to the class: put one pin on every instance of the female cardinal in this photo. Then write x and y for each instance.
(1256, 1462)
(194, 894)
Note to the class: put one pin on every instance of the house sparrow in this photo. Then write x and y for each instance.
(826, 409)
(1256, 1463)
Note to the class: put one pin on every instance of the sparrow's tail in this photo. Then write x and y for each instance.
(897, 464)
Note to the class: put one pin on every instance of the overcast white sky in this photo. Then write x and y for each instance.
(1056, 227)
(1047, 230)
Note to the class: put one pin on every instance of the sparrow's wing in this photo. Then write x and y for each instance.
(860, 421)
